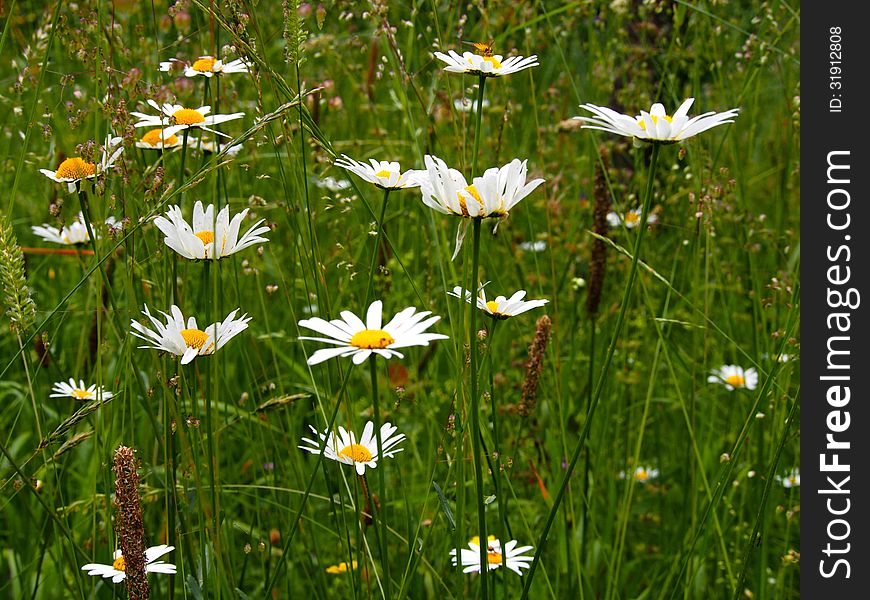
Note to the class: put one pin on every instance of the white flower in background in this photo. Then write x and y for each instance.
(655, 126)
(78, 391)
(69, 235)
(173, 118)
(206, 66)
(74, 170)
(332, 184)
(345, 448)
(183, 338)
(466, 104)
(359, 340)
(734, 377)
(117, 570)
(156, 139)
(791, 479)
(491, 195)
(198, 241)
(642, 474)
(212, 147)
(384, 174)
(536, 246)
(630, 219)
(500, 308)
(486, 64)
(514, 558)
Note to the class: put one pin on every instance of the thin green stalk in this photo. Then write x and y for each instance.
(620, 319)
(475, 409)
(496, 470)
(480, 87)
(377, 249)
(379, 512)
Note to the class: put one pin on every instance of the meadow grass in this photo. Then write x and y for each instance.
(602, 443)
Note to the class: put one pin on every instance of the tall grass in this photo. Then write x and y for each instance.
(715, 281)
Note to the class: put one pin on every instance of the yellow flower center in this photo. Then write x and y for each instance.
(207, 237)
(632, 217)
(735, 380)
(474, 194)
(641, 474)
(493, 558)
(357, 453)
(204, 65)
(81, 394)
(155, 137)
(370, 339)
(119, 564)
(476, 539)
(341, 567)
(75, 168)
(188, 116)
(492, 60)
(383, 173)
(492, 305)
(792, 479)
(194, 338)
(655, 119)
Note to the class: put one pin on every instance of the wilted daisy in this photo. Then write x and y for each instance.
(173, 118)
(655, 126)
(116, 570)
(642, 474)
(733, 377)
(501, 307)
(791, 479)
(384, 174)
(345, 448)
(486, 64)
(491, 195)
(198, 241)
(205, 65)
(157, 139)
(69, 235)
(78, 391)
(183, 338)
(514, 558)
(359, 340)
(73, 170)
(342, 567)
(630, 219)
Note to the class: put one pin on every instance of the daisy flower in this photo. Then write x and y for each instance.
(642, 474)
(732, 377)
(630, 219)
(792, 479)
(157, 139)
(185, 339)
(73, 171)
(500, 308)
(212, 147)
(116, 570)
(345, 448)
(491, 195)
(486, 65)
(78, 391)
(384, 174)
(342, 567)
(516, 559)
(69, 235)
(206, 65)
(655, 126)
(198, 241)
(359, 340)
(173, 118)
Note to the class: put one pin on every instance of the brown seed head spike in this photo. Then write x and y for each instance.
(128, 523)
(598, 260)
(537, 349)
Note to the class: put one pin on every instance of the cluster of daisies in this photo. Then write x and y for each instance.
(213, 234)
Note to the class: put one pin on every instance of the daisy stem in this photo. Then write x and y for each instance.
(480, 87)
(475, 406)
(377, 249)
(502, 500)
(602, 378)
(183, 158)
(378, 511)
